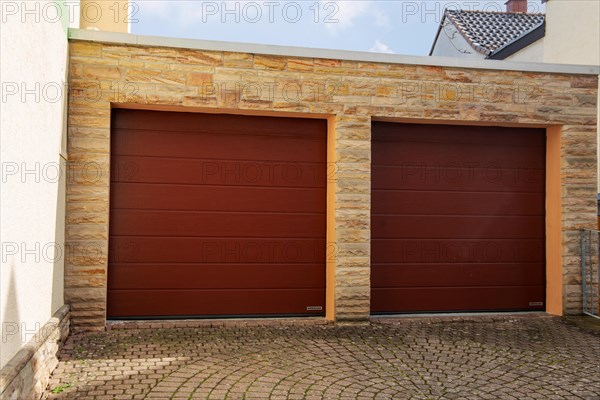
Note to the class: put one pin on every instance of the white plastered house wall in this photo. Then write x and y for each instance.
(572, 32)
(33, 165)
(33, 73)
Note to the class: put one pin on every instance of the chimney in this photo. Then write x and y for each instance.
(516, 6)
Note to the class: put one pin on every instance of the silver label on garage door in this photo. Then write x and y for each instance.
(536, 303)
(314, 308)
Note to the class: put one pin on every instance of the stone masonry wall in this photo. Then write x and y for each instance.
(350, 94)
(27, 374)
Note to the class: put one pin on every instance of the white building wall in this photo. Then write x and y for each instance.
(572, 32)
(33, 62)
(532, 53)
(450, 43)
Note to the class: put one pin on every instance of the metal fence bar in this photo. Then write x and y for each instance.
(589, 268)
(590, 261)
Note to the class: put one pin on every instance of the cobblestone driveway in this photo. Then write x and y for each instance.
(524, 357)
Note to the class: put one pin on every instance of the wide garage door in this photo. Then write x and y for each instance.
(216, 215)
(458, 218)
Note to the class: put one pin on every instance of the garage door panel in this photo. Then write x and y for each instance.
(239, 224)
(460, 275)
(458, 218)
(453, 203)
(457, 134)
(401, 178)
(198, 303)
(126, 249)
(391, 226)
(210, 123)
(217, 172)
(215, 215)
(455, 250)
(223, 198)
(218, 146)
(504, 298)
(468, 156)
(210, 276)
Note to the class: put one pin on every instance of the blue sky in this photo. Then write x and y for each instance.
(387, 26)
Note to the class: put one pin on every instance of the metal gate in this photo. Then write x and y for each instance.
(590, 272)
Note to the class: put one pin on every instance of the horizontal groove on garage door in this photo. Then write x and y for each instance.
(241, 276)
(223, 224)
(216, 215)
(458, 218)
(177, 171)
(215, 250)
(143, 196)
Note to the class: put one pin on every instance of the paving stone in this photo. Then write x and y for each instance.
(531, 357)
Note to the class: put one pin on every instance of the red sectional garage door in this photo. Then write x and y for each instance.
(457, 218)
(216, 215)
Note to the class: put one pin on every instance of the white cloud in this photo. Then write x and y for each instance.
(381, 19)
(344, 11)
(380, 47)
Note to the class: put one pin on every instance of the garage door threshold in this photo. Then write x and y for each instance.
(459, 317)
(215, 323)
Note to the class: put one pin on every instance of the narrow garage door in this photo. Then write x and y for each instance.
(216, 215)
(457, 218)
